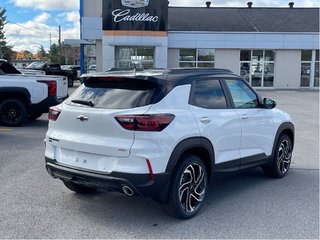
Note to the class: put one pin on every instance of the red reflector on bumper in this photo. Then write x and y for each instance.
(150, 169)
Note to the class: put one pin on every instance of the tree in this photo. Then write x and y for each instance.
(54, 53)
(69, 54)
(42, 53)
(27, 54)
(6, 51)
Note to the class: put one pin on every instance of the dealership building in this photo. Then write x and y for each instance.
(269, 47)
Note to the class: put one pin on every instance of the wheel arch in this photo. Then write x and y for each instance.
(15, 92)
(198, 146)
(285, 128)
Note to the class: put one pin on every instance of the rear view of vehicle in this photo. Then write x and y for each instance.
(103, 136)
(162, 133)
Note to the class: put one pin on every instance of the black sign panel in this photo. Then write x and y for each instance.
(142, 15)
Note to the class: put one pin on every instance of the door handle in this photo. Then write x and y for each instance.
(244, 116)
(205, 120)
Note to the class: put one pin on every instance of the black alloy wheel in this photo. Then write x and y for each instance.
(70, 82)
(188, 189)
(13, 112)
(281, 158)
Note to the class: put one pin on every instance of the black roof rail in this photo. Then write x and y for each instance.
(199, 70)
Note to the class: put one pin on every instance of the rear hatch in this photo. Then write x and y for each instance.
(87, 123)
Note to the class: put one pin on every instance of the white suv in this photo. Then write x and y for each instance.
(163, 133)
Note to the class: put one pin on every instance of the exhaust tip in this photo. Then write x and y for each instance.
(127, 191)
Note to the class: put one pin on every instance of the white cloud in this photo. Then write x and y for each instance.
(36, 32)
(47, 4)
(42, 18)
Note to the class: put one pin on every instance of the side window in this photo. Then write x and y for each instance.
(208, 94)
(242, 95)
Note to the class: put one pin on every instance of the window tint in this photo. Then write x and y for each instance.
(120, 94)
(208, 94)
(242, 95)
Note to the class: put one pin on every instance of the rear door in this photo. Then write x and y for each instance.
(216, 120)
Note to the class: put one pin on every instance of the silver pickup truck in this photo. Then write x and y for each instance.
(24, 96)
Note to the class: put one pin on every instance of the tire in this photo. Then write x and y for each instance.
(70, 81)
(13, 112)
(281, 158)
(78, 188)
(188, 188)
(35, 116)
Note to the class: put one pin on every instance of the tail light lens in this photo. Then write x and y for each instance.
(54, 113)
(52, 87)
(153, 122)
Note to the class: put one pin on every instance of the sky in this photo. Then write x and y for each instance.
(34, 23)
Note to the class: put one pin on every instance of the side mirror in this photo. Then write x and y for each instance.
(269, 103)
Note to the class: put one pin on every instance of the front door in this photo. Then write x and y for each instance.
(257, 126)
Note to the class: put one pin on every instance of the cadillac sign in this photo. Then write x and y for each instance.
(148, 15)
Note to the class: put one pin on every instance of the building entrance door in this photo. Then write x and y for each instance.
(134, 57)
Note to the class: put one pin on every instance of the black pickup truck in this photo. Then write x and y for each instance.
(54, 69)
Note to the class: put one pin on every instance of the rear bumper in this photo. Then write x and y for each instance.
(141, 184)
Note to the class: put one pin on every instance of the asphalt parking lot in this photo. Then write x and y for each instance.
(238, 205)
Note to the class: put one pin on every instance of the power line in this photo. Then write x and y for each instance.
(31, 29)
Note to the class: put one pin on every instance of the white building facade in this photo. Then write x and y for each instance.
(269, 47)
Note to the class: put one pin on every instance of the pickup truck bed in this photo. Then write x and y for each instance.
(54, 69)
(24, 96)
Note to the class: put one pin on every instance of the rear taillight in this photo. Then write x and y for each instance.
(54, 113)
(52, 87)
(152, 122)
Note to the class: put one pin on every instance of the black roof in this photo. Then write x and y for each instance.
(173, 76)
(221, 19)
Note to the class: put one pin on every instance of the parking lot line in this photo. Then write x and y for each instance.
(5, 129)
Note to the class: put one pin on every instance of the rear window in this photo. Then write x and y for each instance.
(7, 68)
(117, 94)
(208, 94)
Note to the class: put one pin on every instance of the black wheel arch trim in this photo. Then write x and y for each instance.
(188, 144)
(284, 127)
(18, 90)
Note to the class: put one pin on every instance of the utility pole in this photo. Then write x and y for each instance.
(50, 41)
(60, 50)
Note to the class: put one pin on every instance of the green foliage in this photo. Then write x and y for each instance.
(6, 51)
(42, 53)
(3, 21)
(54, 53)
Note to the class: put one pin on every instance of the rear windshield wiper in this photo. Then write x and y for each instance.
(83, 102)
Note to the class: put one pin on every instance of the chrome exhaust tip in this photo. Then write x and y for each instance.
(127, 191)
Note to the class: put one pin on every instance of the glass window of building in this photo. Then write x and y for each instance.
(90, 58)
(309, 68)
(316, 70)
(257, 67)
(196, 58)
(134, 57)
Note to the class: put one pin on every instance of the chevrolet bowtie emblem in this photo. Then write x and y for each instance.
(82, 118)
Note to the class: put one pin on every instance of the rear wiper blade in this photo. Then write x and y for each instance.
(83, 102)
